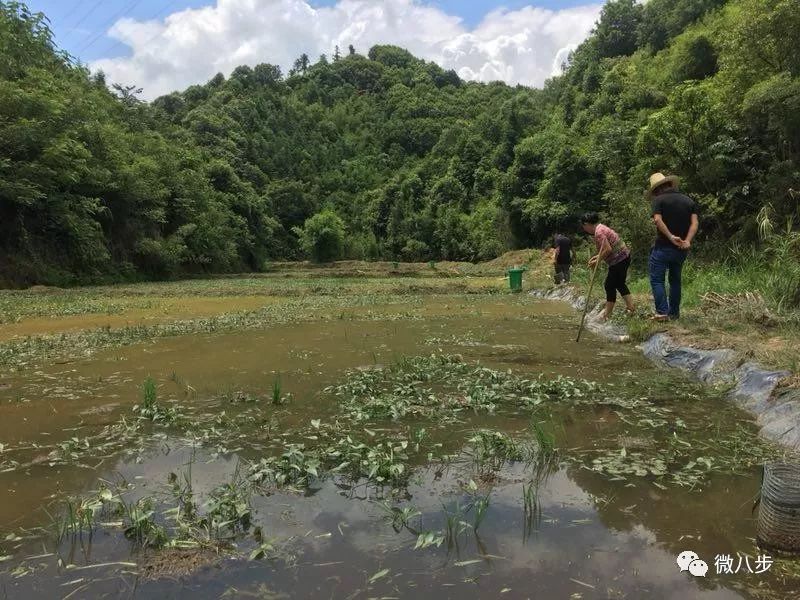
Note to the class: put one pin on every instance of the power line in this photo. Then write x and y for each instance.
(127, 9)
(63, 16)
(73, 10)
(84, 17)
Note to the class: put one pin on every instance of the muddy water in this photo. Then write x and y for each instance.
(593, 536)
(152, 310)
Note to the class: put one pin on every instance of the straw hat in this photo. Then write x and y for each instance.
(657, 179)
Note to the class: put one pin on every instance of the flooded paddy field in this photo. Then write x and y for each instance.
(373, 437)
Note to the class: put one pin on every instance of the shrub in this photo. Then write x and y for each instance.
(322, 236)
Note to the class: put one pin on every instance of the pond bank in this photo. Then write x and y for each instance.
(753, 387)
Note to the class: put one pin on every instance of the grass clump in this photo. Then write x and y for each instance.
(277, 396)
(150, 409)
(545, 441)
(490, 449)
(79, 516)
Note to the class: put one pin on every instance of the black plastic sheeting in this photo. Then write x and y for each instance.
(610, 331)
(778, 415)
(711, 366)
(752, 386)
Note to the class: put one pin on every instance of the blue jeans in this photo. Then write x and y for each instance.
(665, 259)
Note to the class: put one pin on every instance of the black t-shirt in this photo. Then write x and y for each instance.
(564, 245)
(676, 210)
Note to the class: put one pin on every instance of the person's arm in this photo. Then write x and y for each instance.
(687, 243)
(605, 250)
(662, 227)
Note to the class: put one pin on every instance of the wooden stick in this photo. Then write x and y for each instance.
(586, 304)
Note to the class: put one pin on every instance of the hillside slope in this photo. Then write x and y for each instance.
(408, 160)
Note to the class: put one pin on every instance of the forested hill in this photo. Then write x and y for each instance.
(385, 155)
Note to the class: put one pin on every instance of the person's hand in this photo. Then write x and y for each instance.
(593, 261)
(685, 245)
(676, 240)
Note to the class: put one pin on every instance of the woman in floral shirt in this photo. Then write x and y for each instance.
(613, 250)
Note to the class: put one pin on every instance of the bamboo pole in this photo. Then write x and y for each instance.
(588, 296)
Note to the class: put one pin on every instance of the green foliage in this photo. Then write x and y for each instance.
(150, 408)
(663, 20)
(443, 386)
(140, 525)
(615, 34)
(79, 516)
(322, 236)
(406, 158)
(492, 448)
(694, 58)
(392, 56)
(780, 257)
(295, 466)
(228, 507)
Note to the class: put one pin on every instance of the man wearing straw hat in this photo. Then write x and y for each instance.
(675, 217)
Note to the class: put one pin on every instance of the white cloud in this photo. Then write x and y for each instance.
(190, 46)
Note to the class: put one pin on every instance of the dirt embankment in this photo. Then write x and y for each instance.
(355, 268)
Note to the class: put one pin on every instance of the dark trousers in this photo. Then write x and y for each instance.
(663, 260)
(615, 280)
(562, 273)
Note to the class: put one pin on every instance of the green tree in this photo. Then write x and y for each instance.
(615, 33)
(322, 236)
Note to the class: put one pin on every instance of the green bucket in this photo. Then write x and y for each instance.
(515, 278)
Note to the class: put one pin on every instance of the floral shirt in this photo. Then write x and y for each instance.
(619, 251)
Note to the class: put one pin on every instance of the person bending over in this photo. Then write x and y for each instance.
(613, 250)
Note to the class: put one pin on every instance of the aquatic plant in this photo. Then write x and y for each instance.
(294, 466)
(545, 442)
(69, 450)
(149, 408)
(490, 449)
(265, 549)
(481, 506)
(445, 386)
(531, 508)
(278, 398)
(185, 510)
(140, 525)
(400, 518)
(228, 507)
(149, 394)
(425, 539)
(77, 516)
(380, 463)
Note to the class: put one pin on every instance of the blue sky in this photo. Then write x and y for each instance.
(81, 25)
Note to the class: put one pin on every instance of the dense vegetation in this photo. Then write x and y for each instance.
(389, 156)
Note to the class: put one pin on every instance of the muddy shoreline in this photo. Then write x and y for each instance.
(752, 386)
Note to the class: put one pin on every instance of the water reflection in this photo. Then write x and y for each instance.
(583, 536)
